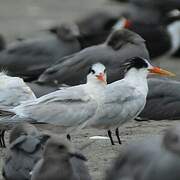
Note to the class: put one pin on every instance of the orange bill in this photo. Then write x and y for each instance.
(157, 70)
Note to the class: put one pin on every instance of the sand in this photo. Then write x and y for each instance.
(100, 153)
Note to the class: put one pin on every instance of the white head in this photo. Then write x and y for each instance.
(97, 74)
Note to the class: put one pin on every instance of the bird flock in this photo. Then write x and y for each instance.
(92, 73)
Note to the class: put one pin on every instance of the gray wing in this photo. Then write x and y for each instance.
(163, 100)
(72, 70)
(119, 106)
(68, 107)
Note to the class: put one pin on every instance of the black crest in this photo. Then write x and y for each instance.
(135, 62)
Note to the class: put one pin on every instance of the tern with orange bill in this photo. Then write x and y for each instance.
(126, 98)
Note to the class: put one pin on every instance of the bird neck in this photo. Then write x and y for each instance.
(138, 79)
(95, 88)
(92, 82)
(174, 32)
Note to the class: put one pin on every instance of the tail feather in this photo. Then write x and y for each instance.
(8, 121)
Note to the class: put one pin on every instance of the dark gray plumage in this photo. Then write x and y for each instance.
(120, 45)
(138, 14)
(162, 5)
(57, 162)
(163, 100)
(94, 28)
(160, 31)
(96, 22)
(24, 151)
(2, 42)
(154, 158)
(30, 57)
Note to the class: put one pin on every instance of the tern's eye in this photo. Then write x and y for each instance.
(105, 71)
(93, 72)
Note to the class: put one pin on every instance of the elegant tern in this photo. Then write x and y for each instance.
(124, 99)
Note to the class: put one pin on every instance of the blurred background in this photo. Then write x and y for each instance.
(23, 18)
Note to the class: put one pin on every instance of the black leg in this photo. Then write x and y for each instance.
(117, 135)
(68, 137)
(1, 145)
(110, 136)
(3, 140)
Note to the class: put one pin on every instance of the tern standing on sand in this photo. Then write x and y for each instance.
(126, 98)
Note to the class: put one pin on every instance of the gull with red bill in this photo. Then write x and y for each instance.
(126, 98)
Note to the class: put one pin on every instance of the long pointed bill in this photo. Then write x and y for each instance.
(101, 77)
(157, 70)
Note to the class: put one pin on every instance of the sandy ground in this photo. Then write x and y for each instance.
(101, 153)
(24, 17)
